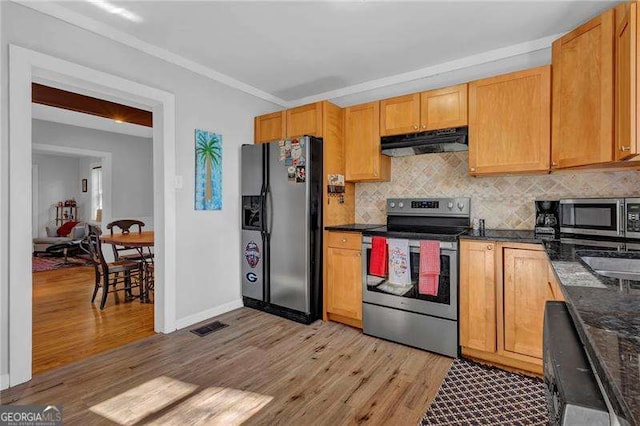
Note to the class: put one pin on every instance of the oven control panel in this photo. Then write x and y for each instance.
(429, 206)
(633, 215)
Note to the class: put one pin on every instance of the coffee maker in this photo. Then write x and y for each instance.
(547, 218)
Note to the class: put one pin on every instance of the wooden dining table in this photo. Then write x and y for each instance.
(138, 241)
(132, 239)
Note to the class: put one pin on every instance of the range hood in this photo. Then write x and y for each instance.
(446, 140)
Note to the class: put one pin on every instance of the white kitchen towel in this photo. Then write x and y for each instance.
(399, 262)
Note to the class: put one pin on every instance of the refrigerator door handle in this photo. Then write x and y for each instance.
(269, 218)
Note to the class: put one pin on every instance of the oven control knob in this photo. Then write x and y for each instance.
(450, 205)
(392, 205)
(401, 205)
(460, 206)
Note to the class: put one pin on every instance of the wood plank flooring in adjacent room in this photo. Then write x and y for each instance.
(262, 369)
(67, 327)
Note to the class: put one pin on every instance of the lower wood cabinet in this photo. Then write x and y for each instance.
(343, 280)
(525, 291)
(478, 295)
(503, 291)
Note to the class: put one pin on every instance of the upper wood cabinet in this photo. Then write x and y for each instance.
(510, 122)
(478, 295)
(363, 160)
(583, 86)
(400, 115)
(269, 127)
(304, 120)
(625, 82)
(419, 112)
(444, 108)
(526, 289)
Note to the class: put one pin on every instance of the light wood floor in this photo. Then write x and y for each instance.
(262, 369)
(67, 327)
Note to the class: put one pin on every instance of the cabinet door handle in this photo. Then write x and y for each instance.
(625, 148)
(424, 126)
(415, 127)
(489, 247)
(554, 164)
(553, 294)
(473, 169)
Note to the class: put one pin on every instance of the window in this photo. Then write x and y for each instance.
(96, 193)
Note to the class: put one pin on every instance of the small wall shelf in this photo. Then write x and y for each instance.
(65, 214)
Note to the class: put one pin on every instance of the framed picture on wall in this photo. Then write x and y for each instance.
(208, 182)
(84, 185)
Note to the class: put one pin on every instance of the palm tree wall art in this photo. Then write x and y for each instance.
(208, 191)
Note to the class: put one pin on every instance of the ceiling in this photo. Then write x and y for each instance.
(295, 50)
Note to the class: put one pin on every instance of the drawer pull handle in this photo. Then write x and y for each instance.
(625, 148)
(344, 240)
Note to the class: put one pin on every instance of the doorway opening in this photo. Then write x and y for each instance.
(69, 323)
(28, 67)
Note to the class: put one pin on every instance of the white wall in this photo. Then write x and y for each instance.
(132, 162)
(84, 198)
(208, 243)
(57, 181)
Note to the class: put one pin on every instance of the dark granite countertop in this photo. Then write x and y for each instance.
(606, 312)
(352, 227)
(514, 235)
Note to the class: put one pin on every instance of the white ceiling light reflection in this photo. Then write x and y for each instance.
(116, 10)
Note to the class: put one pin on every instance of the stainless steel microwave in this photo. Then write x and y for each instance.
(593, 216)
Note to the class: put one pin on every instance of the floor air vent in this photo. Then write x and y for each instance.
(209, 328)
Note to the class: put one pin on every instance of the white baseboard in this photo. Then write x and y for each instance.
(209, 313)
(4, 381)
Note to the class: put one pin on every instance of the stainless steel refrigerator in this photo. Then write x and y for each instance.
(281, 251)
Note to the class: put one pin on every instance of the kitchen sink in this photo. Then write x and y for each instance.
(624, 268)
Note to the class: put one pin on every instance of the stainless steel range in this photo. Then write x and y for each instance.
(404, 313)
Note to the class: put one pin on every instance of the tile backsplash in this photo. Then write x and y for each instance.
(505, 202)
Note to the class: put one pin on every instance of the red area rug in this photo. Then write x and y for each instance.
(45, 263)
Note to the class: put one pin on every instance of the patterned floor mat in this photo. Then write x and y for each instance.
(473, 394)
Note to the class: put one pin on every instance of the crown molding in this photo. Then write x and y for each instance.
(127, 39)
(456, 64)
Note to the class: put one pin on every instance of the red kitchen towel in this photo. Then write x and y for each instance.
(378, 262)
(429, 268)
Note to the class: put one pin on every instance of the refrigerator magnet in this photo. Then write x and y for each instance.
(288, 162)
(252, 254)
(301, 174)
(296, 151)
(291, 173)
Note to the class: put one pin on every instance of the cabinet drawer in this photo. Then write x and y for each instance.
(347, 240)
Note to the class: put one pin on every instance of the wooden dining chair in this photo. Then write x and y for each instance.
(109, 275)
(123, 252)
